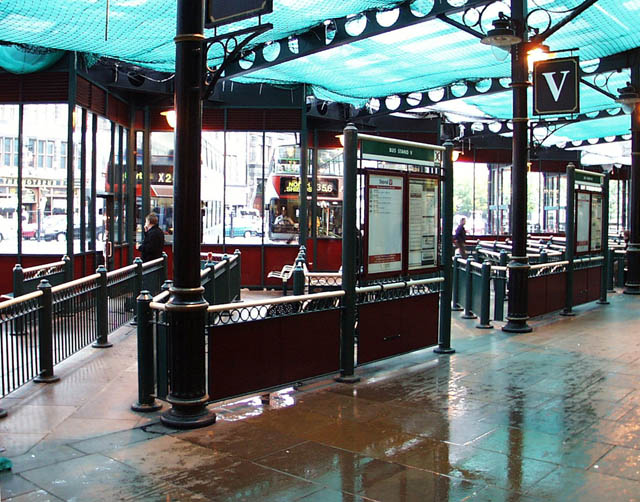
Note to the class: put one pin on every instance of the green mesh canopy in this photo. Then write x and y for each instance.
(419, 58)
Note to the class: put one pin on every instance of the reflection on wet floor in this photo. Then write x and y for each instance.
(553, 415)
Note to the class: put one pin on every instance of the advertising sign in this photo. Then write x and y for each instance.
(583, 222)
(596, 223)
(385, 223)
(556, 88)
(423, 226)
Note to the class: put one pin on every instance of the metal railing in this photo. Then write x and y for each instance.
(221, 278)
(40, 329)
(26, 280)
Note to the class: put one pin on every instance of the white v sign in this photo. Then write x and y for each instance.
(551, 82)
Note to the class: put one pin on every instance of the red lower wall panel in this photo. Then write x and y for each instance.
(537, 296)
(397, 326)
(252, 356)
(594, 280)
(329, 255)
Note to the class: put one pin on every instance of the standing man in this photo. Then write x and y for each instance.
(153, 242)
(460, 238)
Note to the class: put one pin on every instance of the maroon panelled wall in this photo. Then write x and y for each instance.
(397, 326)
(547, 293)
(251, 356)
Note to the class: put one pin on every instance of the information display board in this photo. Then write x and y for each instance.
(583, 221)
(596, 223)
(422, 223)
(384, 223)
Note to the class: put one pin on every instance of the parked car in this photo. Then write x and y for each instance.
(243, 227)
(55, 228)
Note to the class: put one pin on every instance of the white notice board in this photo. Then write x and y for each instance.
(596, 222)
(384, 244)
(583, 223)
(423, 228)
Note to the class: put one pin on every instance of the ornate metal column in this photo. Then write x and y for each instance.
(186, 308)
(632, 282)
(519, 265)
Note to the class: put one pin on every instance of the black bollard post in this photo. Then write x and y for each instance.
(45, 335)
(485, 303)
(146, 402)
(468, 297)
(102, 314)
(455, 290)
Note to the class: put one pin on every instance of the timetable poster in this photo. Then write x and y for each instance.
(583, 215)
(384, 243)
(596, 223)
(423, 214)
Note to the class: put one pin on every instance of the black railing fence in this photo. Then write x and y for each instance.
(40, 329)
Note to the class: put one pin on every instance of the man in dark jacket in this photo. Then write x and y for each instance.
(153, 242)
(460, 238)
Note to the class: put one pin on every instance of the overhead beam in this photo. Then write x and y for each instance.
(410, 101)
(315, 40)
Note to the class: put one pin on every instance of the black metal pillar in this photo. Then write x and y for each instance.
(303, 220)
(186, 308)
(146, 165)
(632, 282)
(570, 238)
(519, 265)
(349, 248)
(71, 107)
(604, 237)
(444, 334)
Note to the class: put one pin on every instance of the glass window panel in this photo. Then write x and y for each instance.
(77, 170)
(8, 183)
(161, 183)
(329, 193)
(243, 188)
(44, 191)
(281, 199)
(212, 190)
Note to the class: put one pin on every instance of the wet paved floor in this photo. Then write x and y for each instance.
(553, 415)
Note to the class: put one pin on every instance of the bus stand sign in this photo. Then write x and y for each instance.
(398, 152)
(588, 179)
(220, 12)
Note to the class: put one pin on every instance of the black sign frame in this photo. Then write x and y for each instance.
(221, 12)
(567, 100)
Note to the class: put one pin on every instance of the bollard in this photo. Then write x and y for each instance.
(137, 287)
(610, 262)
(298, 279)
(237, 275)
(102, 314)
(162, 350)
(165, 267)
(620, 274)
(500, 289)
(485, 301)
(146, 402)
(45, 335)
(18, 280)
(468, 314)
(455, 300)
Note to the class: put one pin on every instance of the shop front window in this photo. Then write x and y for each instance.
(44, 189)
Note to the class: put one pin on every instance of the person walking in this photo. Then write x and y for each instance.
(153, 241)
(460, 238)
